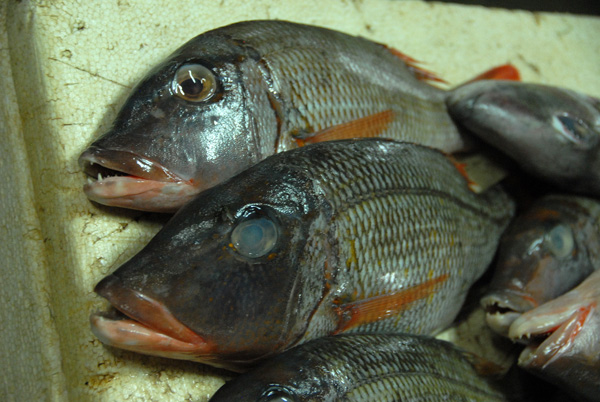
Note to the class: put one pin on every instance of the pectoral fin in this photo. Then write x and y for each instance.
(377, 308)
(372, 125)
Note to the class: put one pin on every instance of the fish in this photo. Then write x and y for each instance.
(544, 253)
(564, 336)
(552, 133)
(232, 96)
(364, 367)
(335, 237)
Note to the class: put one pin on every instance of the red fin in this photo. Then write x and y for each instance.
(419, 72)
(377, 308)
(369, 126)
(503, 72)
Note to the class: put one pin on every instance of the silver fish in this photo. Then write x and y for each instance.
(340, 236)
(546, 251)
(363, 368)
(237, 94)
(552, 133)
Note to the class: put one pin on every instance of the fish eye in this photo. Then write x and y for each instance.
(573, 128)
(560, 241)
(277, 394)
(254, 236)
(194, 83)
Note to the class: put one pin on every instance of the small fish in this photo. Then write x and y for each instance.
(552, 133)
(237, 94)
(545, 252)
(340, 236)
(363, 368)
(568, 353)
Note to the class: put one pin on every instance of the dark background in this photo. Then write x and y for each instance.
(590, 7)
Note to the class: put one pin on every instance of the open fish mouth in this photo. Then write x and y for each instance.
(503, 308)
(124, 179)
(550, 334)
(145, 325)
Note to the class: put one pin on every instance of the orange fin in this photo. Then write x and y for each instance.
(372, 125)
(462, 169)
(481, 170)
(380, 307)
(503, 72)
(419, 72)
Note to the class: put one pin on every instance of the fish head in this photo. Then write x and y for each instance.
(191, 123)
(563, 337)
(542, 255)
(552, 132)
(233, 277)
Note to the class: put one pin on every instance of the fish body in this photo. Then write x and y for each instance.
(552, 133)
(364, 368)
(233, 96)
(544, 253)
(341, 236)
(569, 326)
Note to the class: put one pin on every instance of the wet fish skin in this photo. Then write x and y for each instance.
(274, 82)
(545, 252)
(372, 235)
(552, 133)
(570, 355)
(368, 367)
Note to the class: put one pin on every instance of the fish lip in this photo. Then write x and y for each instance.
(133, 181)
(149, 327)
(502, 308)
(117, 163)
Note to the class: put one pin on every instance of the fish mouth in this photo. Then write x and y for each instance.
(550, 336)
(124, 179)
(503, 308)
(145, 325)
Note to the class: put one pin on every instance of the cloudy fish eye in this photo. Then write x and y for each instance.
(254, 237)
(560, 241)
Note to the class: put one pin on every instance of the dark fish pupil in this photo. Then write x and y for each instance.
(192, 86)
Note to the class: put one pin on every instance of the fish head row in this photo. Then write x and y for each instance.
(190, 123)
(235, 274)
(544, 253)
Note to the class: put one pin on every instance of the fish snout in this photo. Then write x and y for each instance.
(147, 325)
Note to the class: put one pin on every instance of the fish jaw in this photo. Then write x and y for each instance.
(149, 328)
(133, 182)
(503, 307)
(565, 318)
(570, 355)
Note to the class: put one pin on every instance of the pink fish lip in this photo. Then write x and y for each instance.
(148, 326)
(131, 181)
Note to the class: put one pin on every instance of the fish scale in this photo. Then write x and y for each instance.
(355, 227)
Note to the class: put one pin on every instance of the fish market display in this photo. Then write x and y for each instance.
(235, 95)
(342, 236)
(363, 368)
(552, 133)
(545, 252)
(570, 355)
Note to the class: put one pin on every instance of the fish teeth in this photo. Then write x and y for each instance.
(99, 176)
